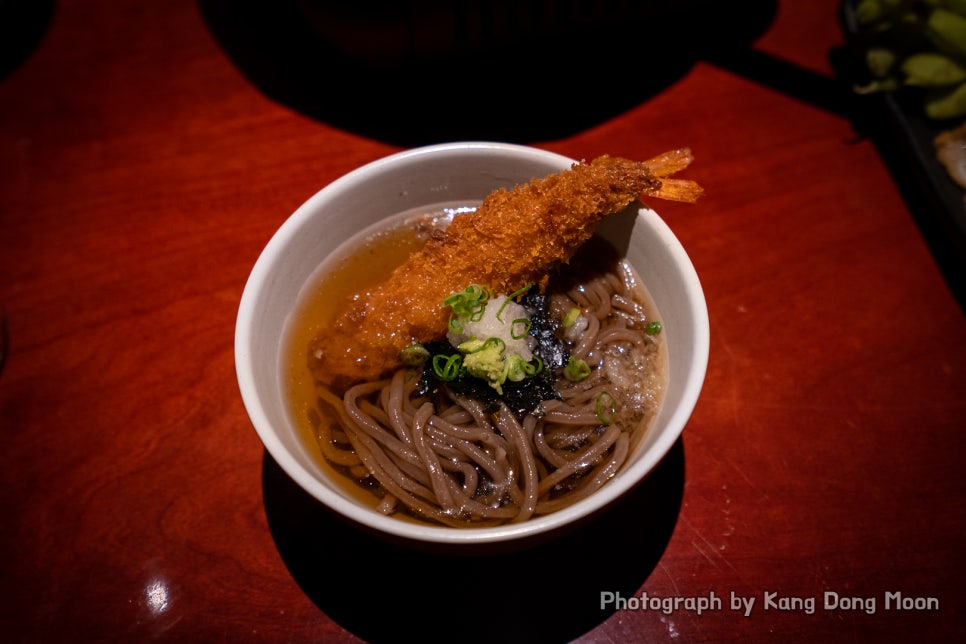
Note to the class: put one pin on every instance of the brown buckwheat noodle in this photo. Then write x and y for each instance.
(444, 459)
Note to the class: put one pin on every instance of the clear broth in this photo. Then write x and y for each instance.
(361, 263)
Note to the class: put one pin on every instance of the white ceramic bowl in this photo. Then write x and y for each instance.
(423, 177)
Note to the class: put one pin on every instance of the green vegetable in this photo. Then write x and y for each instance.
(517, 324)
(653, 328)
(519, 369)
(606, 407)
(448, 367)
(916, 44)
(576, 369)
(880, 61)
(930, 69)
(475, 345)
(947, 31)
(946, 104)
(512, 296)
(468, 304)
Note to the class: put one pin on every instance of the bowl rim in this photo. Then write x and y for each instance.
(630, 477)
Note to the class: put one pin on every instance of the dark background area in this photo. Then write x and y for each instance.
(420, 72)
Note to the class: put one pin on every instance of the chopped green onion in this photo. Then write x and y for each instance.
(510, 297)
(518, 369)
(500, 312)
(576, 369)
(447, 368)
(489, 342)
(526, 328)
(571, 318)
(468, 304)
(520, 291)
(538, 367)
(606, 407)
(653, 328)
(469, 295)
(477, 312)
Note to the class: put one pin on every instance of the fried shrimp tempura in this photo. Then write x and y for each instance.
(514, 238)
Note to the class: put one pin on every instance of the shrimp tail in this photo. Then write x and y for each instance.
(667, 164)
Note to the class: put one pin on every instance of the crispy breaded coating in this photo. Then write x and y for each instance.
(514, 238)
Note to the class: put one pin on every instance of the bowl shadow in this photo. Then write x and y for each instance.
(23, 24)
(417, 72)
(550, 591)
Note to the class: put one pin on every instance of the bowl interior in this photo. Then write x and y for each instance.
(424, 177)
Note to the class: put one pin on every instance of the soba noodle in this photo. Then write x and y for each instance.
(446, 459)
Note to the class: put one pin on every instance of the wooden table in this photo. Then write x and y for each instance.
(148, 151)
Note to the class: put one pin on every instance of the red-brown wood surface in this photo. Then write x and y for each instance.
(142, 171)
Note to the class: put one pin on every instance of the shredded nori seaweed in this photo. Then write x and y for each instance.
(523, 397)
